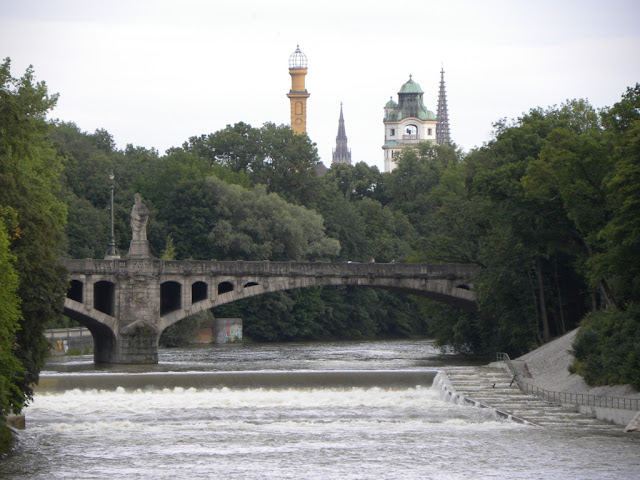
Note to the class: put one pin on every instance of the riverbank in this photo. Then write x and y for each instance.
(548, 367)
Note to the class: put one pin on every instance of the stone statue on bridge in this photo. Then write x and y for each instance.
(139, 246)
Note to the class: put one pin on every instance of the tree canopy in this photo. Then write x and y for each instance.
(32, 209)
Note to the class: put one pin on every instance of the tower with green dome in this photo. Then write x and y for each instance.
(407, 122)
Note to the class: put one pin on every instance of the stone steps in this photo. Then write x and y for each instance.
(493, 388)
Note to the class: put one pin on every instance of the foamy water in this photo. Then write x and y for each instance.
(358, 433)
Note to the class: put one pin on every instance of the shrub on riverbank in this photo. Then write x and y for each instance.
(6, 439)
(606, 348)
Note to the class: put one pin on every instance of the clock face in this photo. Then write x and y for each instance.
(298, 121)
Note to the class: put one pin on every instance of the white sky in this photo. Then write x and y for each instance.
(154, 73)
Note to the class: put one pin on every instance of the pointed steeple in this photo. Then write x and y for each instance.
(443, 136)
(341, 154)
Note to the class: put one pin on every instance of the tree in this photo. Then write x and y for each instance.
(237, 147)
(11, 396)
(355, 181)
(169, 252)
(260, 225)
(87, 162)
(272, 156)
(408, 187)
(606, 349)
(481, 210)
(619, 259)
(281, 316)
(388, 232)
(30, 170)
(573, 165)
(211, 219)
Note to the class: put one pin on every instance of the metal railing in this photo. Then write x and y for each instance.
(63, 333)
(566, 397)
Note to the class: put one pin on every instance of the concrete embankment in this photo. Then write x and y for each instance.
(481, 378)
(249, 379)
(492, 387)
(544, 368)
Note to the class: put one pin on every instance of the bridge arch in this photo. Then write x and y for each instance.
(101, 325)
(199, 291)
(441, 290)
(104, 297)
(170, 297)
(76, 291)
(224, 287)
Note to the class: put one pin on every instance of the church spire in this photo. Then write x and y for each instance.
(341, 154)
(442, 127)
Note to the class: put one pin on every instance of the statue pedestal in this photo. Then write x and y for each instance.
(139, 249)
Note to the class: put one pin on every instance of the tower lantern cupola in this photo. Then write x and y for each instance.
(298, 94)
(298, 59)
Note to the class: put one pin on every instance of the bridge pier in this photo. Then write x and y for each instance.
(137, 344)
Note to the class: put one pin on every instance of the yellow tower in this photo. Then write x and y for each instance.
(298, 94)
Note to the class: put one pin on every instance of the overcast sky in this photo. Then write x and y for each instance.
(154, 73)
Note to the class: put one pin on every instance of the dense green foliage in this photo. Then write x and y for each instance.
(33, 218)
(6, 439)
(606, 348)
(212, 219)
(10, 367)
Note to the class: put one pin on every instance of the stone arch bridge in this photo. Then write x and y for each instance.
(128, 302)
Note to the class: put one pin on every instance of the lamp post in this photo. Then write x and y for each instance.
(111, 251)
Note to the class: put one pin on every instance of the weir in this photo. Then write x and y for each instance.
(252, 379)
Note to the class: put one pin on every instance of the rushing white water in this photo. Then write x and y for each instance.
(301, 433)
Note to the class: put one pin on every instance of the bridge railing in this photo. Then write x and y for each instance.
(213, 267)
(567, 397)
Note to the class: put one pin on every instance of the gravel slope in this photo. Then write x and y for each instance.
(547, 367)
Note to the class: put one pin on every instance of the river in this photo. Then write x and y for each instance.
(302, 432)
